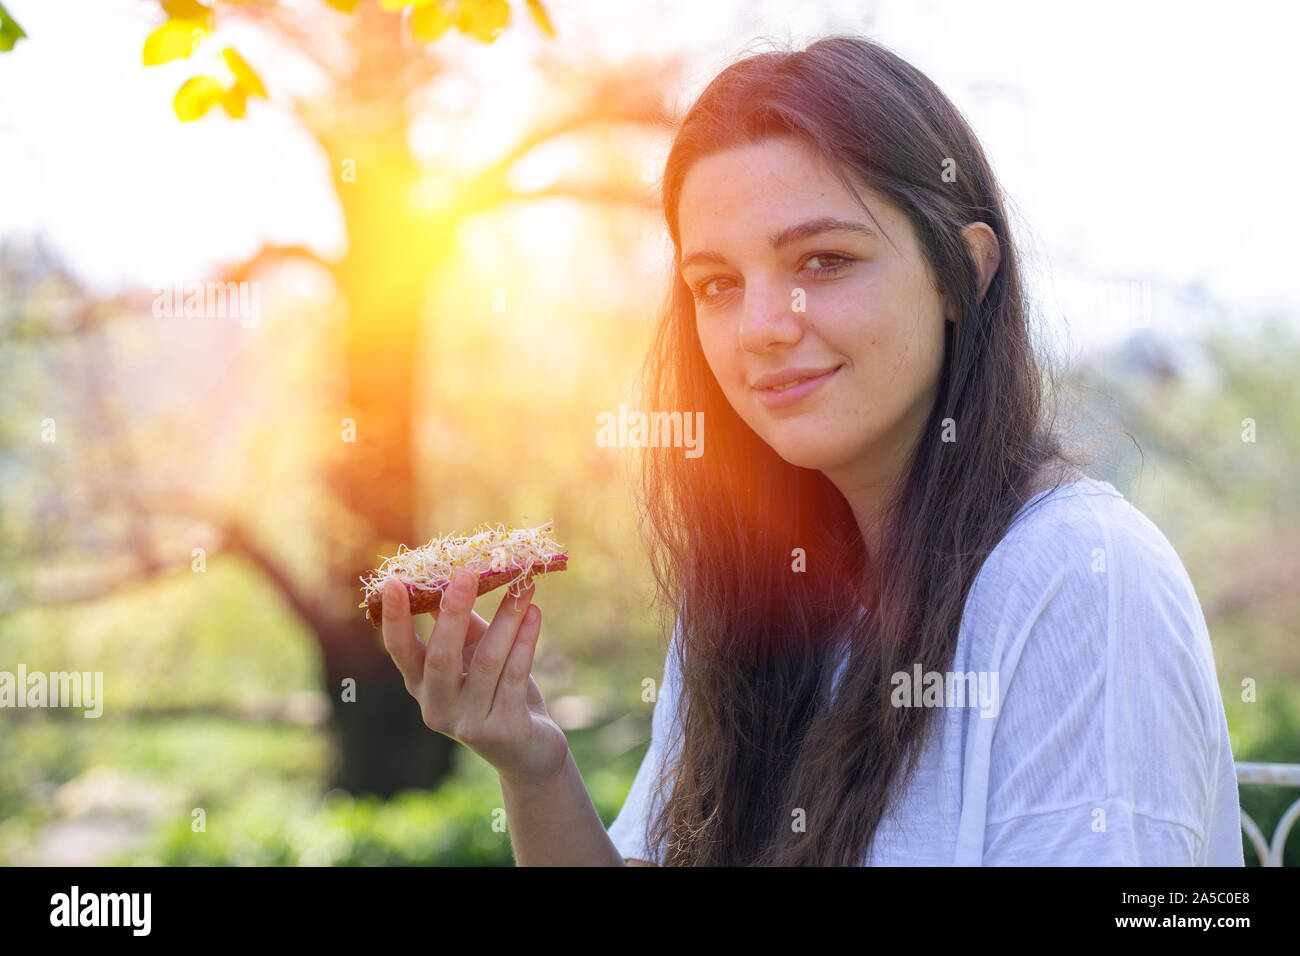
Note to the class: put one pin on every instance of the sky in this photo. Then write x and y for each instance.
(1144, 148)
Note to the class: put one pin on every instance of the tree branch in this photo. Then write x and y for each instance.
(271, 254)
(76, 588)
(610, 99)
(312, 613)
(597, 194)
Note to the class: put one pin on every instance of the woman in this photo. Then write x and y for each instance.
(909, 629)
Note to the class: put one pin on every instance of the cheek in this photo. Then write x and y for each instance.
(709, 346)
(908, 347)
(896, 360)
(720, 357)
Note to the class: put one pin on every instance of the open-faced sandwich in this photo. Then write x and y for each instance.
(497, 555)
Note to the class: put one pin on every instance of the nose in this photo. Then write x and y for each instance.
(767, 318)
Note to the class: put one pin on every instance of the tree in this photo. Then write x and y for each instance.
(392, 248)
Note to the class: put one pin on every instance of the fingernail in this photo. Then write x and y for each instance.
(464, 583)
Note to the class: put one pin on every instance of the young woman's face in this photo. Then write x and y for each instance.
(777, 292)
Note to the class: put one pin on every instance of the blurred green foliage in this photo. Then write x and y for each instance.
(163, 748)
(193, 662)
(259, 788)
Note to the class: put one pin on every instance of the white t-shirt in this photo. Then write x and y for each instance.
(1101, 738)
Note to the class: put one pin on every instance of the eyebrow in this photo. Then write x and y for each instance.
(788, 236)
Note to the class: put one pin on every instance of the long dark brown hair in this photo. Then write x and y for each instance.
(763, 746)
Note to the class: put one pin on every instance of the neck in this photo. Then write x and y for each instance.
(867, 490)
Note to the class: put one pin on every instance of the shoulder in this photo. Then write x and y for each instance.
(1086, 518)
(1106, 672)
(1087, 553)
(1083, 582)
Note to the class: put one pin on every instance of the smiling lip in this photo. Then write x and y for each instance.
(812, 379)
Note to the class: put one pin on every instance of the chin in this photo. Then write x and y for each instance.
(812, 450)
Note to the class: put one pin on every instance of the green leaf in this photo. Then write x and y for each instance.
(245, 78)
(196, 96)
(175, 39)
(539, 14)
(10, 31)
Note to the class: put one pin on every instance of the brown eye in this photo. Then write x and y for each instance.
(835, 266)
(699, 289)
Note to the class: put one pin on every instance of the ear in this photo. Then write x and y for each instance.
(986, 251)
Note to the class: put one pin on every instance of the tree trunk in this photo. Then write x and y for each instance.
(382, 743)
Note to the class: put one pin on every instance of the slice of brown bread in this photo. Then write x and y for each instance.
(430, 599)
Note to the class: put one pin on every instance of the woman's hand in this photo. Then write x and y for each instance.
(473, 679)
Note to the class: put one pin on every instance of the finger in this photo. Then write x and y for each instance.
(477, 628)
(444, 651)
(399, 633)
(491, 653)
(534, 692)
(516, 676)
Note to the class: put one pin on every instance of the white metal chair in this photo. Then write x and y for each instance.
(1278, 775)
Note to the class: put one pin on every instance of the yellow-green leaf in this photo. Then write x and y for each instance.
(187, 10)
(483, 19)
(429, 21)
(234, 101)
(173, 40)
(10, 31)
(196, 96)
(245, 78)
(539, 14)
